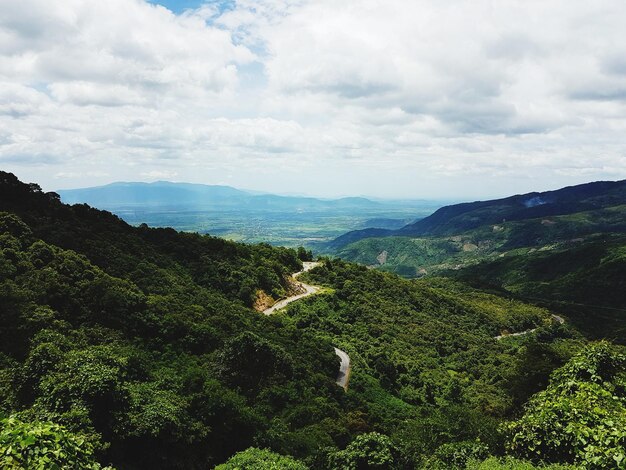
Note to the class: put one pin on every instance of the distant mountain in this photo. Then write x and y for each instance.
(199, 196)
(563, 249)
(158, 193)
(467, 216)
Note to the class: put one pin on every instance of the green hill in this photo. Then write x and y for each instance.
(573, 263)
(585, 280)
(415, 256)
(459, 218)
(138, 347)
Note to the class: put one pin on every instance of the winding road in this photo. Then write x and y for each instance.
(344, 367)
(309, 290)
(558, 319)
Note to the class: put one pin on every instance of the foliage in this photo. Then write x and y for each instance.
(509, 463)
(567, 254)
(43, 445)
(367, 451)
(583, 280)
(581, 416)
(142, 341)
(456, 455)
(260, 459)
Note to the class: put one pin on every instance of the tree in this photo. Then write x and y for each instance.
(581, 417)
(304, 254)
(367, 451)
(261, 459)
(249, 361)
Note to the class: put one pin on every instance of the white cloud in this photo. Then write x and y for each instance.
(529, 92)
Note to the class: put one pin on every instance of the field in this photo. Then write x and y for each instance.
(276, 228)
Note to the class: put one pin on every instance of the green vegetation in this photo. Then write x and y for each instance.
(461, 218)
(417, 256)
(43, 445)
(141, 339)
(571, 263)
(509, 463)
(261, 459)
(584, 281)
(581, 416)
(139, 348)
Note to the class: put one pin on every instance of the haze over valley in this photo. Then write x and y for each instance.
(248, 216)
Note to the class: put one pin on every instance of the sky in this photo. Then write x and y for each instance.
(387, 98)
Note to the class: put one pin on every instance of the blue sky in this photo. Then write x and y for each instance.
(383, 98)
(178, 6)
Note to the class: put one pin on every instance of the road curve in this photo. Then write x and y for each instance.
(558, 319)
(309, 290)
(344, 369)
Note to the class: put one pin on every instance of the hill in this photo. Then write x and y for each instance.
(138, 347)
(458, 218)
(586, 280)
(572, 263)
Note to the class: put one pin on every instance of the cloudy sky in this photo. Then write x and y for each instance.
(389, 98)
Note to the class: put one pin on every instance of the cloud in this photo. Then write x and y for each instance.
(510, 89)
(159, 174)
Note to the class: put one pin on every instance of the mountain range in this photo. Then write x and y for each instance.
(458, 218)
(200, 196)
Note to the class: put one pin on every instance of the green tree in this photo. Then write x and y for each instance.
(509, 463)
(367, 451)
(304, 254)
(261, 459)
(581, 417)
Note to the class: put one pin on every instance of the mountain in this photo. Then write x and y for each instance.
(159, 193)
(246, 216)
(585, 280)
(140, 347)
(165, 194)
(459, 218)
(561, 249)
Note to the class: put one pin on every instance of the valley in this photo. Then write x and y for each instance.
(312, 235)
(566, 253)
(245, 216)
(150, 348)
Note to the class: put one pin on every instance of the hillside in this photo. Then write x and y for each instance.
(459, 218)
(572, 263)
(414, 256)
(138, 347)
(586, 280)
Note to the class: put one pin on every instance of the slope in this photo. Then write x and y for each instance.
(142, 342)
(459, 218)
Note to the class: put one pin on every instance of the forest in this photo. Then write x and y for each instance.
(134, 347)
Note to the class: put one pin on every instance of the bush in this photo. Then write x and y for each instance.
(581, 417)
(43, 445)
(261, 459)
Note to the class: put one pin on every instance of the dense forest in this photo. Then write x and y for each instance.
(134, 347)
